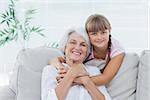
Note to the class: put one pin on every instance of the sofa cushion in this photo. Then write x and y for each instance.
(123, 85)
(6, 93)
(31, 63)
(143, 87)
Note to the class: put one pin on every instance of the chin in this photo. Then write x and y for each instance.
(100, 45)
(77, 60)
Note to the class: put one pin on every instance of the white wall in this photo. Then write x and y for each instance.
(129, 18)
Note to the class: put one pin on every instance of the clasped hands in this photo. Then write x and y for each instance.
(77, 70)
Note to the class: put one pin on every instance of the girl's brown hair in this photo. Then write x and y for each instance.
(97, 23)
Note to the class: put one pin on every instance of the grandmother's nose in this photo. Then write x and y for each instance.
(78, 46)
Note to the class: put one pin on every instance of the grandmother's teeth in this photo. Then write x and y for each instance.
(76, 53)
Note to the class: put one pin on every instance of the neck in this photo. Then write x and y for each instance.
(100, 53)
(100, 50)
(73, 62)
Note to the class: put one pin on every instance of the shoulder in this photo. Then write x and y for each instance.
(49, 69)
(92, 70)
(115, 43)
(116, 48)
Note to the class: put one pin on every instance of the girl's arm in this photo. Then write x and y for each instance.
(57, 62)
(91, 88)
(110, 71)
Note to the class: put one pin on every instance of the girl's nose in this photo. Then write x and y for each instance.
(99, 36)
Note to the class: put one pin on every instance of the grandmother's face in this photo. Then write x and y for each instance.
(76, 48)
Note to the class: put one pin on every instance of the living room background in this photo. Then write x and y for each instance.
(129, 19)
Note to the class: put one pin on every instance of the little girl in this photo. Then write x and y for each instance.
(103, 47)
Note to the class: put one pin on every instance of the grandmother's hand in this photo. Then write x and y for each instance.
(75, 69)
(81, 80)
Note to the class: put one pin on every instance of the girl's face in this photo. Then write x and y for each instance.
(76, 48)
(99, 39)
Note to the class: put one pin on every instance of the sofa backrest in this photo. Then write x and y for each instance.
(123, 85)
(143, 84)
(26, 79)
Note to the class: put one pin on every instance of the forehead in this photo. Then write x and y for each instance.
(98, 24)
(76, 36)
(100, 31)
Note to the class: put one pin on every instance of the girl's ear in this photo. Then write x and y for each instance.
(109, 30)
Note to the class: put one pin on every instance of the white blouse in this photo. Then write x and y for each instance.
(76, 92)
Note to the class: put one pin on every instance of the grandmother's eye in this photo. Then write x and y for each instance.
(83, 44)
(72, 42)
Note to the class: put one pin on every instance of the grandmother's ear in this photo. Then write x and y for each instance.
(64, 49)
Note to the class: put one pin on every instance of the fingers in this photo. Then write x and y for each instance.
(61, 74)
(69, 62)
(62, 70)
(59, 80)
(77, 81)
(61, 59)
(59, 66)
(83, 74)
(56, 63)
(60, 77)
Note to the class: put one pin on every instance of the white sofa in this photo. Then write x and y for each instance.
(130, 83)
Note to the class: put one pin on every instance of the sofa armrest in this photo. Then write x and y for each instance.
(143, 87)
(6, 93)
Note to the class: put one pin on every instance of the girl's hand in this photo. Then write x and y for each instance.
(74, 69)
(77, 81)
(61, 74)
(77, 70)
(57, 62)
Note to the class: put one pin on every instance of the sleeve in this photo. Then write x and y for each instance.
(49, 83)
(116, 48)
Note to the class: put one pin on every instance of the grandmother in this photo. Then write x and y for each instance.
(74, 82)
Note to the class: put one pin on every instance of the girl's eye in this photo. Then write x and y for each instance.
(103, 32)
(93, 33)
